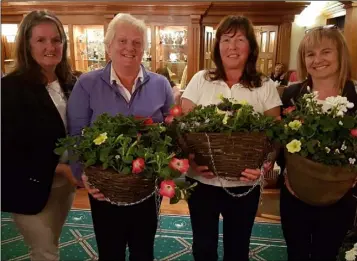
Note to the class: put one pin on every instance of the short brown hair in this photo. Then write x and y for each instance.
(313, 37)
(24, 61)
(233, 23)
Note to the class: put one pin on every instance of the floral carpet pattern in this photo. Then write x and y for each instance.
(173, 240)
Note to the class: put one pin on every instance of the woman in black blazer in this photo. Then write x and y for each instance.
(37, 185)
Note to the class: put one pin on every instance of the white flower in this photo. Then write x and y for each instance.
(352, 161)
(117, 157)
(340, 123)
(337, 151)
(337, 106)
(207, 120)
(343, 147)
(327, 149)
(82, 132)
(350, 255)
(182, 125)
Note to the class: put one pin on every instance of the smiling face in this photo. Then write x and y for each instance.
(127, 47)
(321, 60)
(234, 50)
(46, 45)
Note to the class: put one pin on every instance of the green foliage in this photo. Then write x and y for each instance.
(225, 117)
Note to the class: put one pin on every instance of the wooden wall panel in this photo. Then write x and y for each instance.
(350, 31)
(283, 50)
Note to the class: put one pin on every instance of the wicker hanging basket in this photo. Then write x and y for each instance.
(231, 153)
(315, 183)
(120, 188)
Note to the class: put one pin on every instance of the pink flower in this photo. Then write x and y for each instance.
(176, 111)
(181, 165)
(354, 132)
(169, 119)
(138, 165)
(289, 110)
(167, 188)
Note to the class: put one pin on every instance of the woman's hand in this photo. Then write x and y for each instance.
(94, 192)
(254, 174)
(200, 170)
(65, 170)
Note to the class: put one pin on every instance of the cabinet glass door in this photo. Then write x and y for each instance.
(172, 50)
(89, 50)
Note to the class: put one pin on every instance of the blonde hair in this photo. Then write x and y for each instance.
(122, 18)
(313, 38)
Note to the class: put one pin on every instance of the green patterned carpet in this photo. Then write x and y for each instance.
(173, 240)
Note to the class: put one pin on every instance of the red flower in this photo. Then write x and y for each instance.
(169, 119)
(289, 110)
(176, 111)
(181, 165)
(148, 121)
(167, 188)
(354, 132)
(138, 165)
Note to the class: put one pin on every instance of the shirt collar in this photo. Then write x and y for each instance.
(114, 76)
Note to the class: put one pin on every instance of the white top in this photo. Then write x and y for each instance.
(203, 92)
(124, 91)
(58, 98)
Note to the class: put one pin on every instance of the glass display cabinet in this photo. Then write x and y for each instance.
(172, 50)
(147, 57)
(89, 50)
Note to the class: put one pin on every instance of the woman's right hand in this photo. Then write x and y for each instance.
(200, 170)
(94, 192)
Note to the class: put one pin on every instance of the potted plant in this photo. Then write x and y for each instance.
(128, 159)
(320, 144)
(228, 137)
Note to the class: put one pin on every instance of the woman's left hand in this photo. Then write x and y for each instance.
(254, 174)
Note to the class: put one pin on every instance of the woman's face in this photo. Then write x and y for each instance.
(127, 48)
(321, 61)
(46, 45)
(234, 50)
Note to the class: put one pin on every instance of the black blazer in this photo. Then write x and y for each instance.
(295, 91)
(30, 128)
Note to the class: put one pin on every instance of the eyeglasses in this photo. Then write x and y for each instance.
(324, 27)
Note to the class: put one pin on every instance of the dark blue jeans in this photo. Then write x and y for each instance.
(206, 204)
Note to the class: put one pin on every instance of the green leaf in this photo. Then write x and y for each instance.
(175, 199)
(104, 153)
(126, 170)
(128, 159)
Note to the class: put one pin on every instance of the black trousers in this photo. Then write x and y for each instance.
(116, 227)
(315, 233)
(206, 204)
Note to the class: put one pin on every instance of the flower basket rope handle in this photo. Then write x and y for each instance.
(260, 181)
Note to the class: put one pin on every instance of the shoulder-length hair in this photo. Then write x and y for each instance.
(251, 78)
(313, 38)
(25, 64)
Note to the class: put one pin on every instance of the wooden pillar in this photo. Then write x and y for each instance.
(283, 48)
(194, 46)
(350, 31)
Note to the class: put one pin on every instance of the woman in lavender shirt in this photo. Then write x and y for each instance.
(123, 86)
